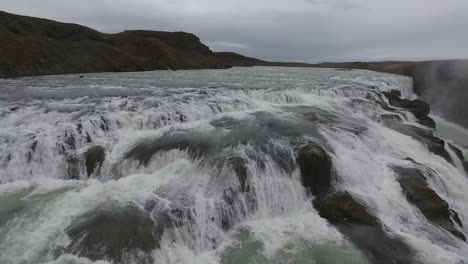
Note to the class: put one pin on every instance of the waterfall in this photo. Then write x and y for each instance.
(201, 167)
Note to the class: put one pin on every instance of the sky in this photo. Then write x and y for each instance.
(283, 30)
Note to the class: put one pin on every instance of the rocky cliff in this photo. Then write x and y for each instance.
(443, 84)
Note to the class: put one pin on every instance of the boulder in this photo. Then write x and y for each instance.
(431, 205)
(316, 169)
(94, 158)
(114, 234)
(342, 208)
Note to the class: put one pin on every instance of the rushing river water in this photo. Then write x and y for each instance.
(152, 159)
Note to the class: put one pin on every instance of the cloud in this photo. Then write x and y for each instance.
(226, 46)
(294, 30)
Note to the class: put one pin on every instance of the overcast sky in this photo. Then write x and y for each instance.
(283, 30)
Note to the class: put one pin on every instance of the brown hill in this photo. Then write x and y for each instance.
(34, 46)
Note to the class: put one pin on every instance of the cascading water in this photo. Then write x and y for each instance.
(201, 167)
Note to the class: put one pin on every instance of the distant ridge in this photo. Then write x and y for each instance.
(34, 46)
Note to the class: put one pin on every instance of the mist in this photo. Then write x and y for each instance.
(444, 84)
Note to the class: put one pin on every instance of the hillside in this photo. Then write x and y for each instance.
(34, 46)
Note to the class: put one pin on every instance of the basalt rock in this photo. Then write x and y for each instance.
(114, 234)
(230, 206)
(345, 212)
(457, 151)
(316, 169)
(355, 220)
(390, 118)
(342, 208)
(431, 205)
(72, 163)
(425, 136)
(419, 108)
(94, 157)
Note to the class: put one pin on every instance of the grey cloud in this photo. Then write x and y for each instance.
(294, 30)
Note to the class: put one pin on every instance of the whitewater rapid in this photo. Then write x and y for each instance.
(171, 142)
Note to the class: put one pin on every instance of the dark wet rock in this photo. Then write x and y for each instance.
(34, 146)
(104, 125)
(79, 128)
(317, 116)
(196, 144)
(166, 216)
(316, 169)
(257, 133)
(457, 151)
(456, 218)
(349, 215)
(460, 155)
(70, 140)
(390, 118)
(88, 138)
(343, 208)
(431, 205)
(229, 208)
(31, 151)
(14, 108)
(355, 220)
(81, 76)
(239, 165)
(114, 234)
(425, 136)
(182, 118)
(239, 191)
(72, 167)
(6, 159)
(419, 108)
(94, 158)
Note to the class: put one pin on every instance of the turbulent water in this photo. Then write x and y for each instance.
(200, 167)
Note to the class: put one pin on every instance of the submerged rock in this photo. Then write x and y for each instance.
(346, 213)
(94, 158)
(72, 163)
(114, 234)
(390, 118)
(431, 205)
(238, 198)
